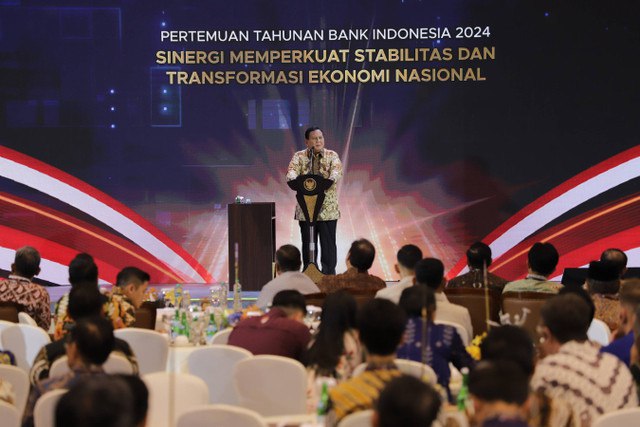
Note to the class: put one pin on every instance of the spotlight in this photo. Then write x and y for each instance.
(112, 91)
(112, 108)
(113, 126)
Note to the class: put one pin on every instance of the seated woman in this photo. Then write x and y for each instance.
(335, 351)
(427, 342)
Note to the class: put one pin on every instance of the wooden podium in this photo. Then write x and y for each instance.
(253, 227)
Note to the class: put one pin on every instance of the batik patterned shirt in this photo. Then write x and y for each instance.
(32, 298)
(120, 309)
(329, 166)
(590, 382)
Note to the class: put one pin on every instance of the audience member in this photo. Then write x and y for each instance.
(359, 260)
(635, 352)
(603, 285)
(629, 303)
(335, 351)
(510, 343)
(82, 270)
(542, 261)
(140, 395)
(288, 263)
(85, 301)
(478, 259)
(442, 342)
(127, 296)
(97, 402)
(32, 298)
(88, 346)
(408, 402)
(280, 332)
(381, 324)
(617, 258)
(574, 371)
(407, 258)
(430, 273)
(499, 390)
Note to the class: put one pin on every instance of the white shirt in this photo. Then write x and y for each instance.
(453, 313)
(393, 292)
(289, 280)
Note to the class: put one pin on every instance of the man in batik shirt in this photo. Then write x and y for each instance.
(318, 160)
(127, 296)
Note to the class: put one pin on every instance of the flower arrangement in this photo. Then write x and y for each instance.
(474, 346)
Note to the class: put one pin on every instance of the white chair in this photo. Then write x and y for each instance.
(271, 385)
(220, 416)
(599, 332)
(621, 418)
(19, 380)
(115, 364)
(44, 413)
(25, 341)
(9, 415)
(25, 319)
(4, 324)
(464, 335)
(221, 337)
(357, 419)
(150, 347)
(215, 366)
(171, 394)
(409, 367)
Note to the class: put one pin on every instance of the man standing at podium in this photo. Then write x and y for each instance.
(318, 160)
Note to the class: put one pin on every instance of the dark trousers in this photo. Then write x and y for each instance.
(326, 230)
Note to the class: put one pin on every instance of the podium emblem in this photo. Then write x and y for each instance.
(309, 184)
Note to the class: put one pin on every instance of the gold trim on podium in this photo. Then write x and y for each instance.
(313, 273)
(310, 201)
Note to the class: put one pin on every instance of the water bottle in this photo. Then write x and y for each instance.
(323, 404)
(237, 297)
(211, 328)
(463, 394)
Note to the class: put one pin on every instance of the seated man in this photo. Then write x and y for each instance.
(430, 273)
(88, 346)
(104, 402)
(616, 258)
(408, 402)
(443, 344)
(127, 296)
(603, 284)
(82, 270)
(33, 299)
(280, 332)
(499, 390)
(288, 263)
(542, 261)
(629, 304)
(381, 324)
(359, 260)
(574, 371)
(478, 258)
(407, 258)
(85, 301)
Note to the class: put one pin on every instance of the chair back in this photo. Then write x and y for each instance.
(4, 324)
(9, 415)
(220, 416)
(221, 337)
(24, 341)
(316, 299)
(150, 347)
(599, 332)
(524, 308)
(271, 385)
(215, 366)
(44, 413)
(462, 332)
(19, 380)
(362, 296)
(417, 369)
(146, 315)
(620, 418)
(171, 394)
(474, 300)
(25, 319)
(115, 364)
(357, 419)
(9, 311)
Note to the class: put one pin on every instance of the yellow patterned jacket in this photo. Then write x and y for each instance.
(331, 168)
